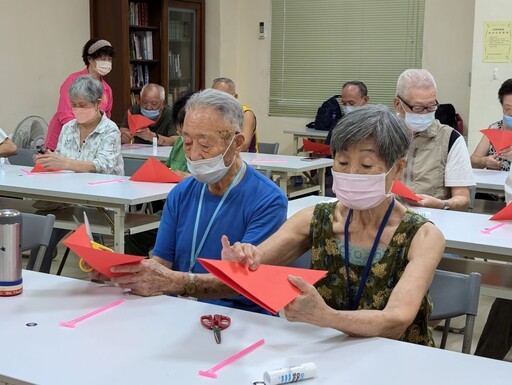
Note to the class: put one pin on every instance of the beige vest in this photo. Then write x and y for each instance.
(426, 161)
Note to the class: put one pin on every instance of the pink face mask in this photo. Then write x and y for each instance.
(360, 191)
(84, 115)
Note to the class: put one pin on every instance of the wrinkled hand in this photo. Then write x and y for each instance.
(147, 278)
(241, 252)
(308, 307)
(126, 136)
(145, 133)
(507, 153)
(492, 162)
(51, 160)
(426, 201)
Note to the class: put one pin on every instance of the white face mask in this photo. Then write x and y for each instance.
(209, 170)
(349, 108)
(419, 122)
(103, 67)
(360, 191)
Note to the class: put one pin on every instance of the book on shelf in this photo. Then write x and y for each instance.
(139, 75)
(142, 43)
(138, 14)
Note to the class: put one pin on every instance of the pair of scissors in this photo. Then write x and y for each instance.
(95, 245)
(216, 323)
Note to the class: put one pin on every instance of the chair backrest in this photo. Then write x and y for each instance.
(131, 165)
(24, 157)
(36, 232)
(268, 148)
(453, 295)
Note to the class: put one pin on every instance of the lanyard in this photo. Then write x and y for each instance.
(194, 253)
(354, 305)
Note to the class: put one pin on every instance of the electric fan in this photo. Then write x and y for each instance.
(30, 133)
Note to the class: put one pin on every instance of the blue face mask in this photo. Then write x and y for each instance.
(508, 120)
(151, 114)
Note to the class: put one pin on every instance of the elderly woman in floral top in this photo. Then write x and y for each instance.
(90, 142)
(380, 256)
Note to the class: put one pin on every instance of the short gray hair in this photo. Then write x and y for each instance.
(152, 86)
(374, 122)
(224, 104)
(414, 78)
(86, 87)
(230, 83)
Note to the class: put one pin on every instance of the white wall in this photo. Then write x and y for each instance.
(485, 107)
(41, 44)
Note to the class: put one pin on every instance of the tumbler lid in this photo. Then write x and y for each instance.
(10, 216)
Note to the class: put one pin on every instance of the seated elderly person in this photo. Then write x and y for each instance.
(88, 143)
(438, 168)
(7, 146)
(223, 196)
(485, 155)
(379, 255)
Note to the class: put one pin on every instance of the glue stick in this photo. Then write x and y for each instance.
(290, 374)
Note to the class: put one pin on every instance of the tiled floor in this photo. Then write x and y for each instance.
(454, 342)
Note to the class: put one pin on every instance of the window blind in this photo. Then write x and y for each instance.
(318, 45)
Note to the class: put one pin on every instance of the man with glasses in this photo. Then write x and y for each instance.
(438, 165)
(152, 105)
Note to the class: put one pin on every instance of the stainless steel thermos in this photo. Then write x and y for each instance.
(11, 282)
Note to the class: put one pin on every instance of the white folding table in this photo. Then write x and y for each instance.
(307, 133)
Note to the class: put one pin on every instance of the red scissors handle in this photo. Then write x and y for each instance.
(216, 322)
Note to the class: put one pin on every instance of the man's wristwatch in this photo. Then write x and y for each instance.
(446, 205)
(190, 287)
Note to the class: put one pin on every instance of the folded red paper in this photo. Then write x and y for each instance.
(310, 146)
(500, 139)
(100, 260)
(137, 122)
(154, 171)
(399, 188)
(40, 168)
(505, 214)
(267, 286)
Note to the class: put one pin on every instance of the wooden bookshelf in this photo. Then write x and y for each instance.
(139, 33)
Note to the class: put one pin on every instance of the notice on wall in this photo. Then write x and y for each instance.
(497, 42)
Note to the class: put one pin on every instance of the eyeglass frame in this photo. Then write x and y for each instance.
(415, 109)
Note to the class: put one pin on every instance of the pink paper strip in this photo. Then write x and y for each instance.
(268, 160)
(72, 323)
(211, 372)
(106, 181)
(131, 145)
(491, 229)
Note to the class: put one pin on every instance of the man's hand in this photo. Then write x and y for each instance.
(426, 201)
(126, 137)
(146, 134)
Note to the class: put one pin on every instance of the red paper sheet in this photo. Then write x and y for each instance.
(505, 214)
(268, 285)
(154, 171)
(500, 139)
(40, 168)
(399, 188)
(137, 122)
(310, 146)
(100, 260)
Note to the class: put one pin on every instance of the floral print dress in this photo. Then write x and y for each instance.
(387, 268)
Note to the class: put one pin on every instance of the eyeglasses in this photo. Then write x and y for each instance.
(420, 109)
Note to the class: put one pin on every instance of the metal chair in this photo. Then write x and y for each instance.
(268, 148)
(24, 157)
(453, 295)
(36, 231)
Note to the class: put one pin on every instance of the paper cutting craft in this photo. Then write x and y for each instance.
(154, 171)
(40, 168)
(268, 285)
(504, 214)
(316, 147)
(100, 260)
(500, 139)
(399, 188)
(137, 122)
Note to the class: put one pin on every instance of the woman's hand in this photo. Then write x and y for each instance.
(51, 160)
(506, 153)
(308, 307)
(492, 163)
(241, 253)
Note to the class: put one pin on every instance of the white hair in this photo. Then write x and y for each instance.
(414, 78)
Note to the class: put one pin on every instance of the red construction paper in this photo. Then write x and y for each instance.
(100, 260)
(154, 171)
(40, 168)
(500, 139)
(505, 214)
(137, 122)
(399, 188)
(268, 285)
(310, 146)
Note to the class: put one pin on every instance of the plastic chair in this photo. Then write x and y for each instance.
(453, 295)
(131, 165)
(36, 231)
(24, 157)
(268, 148)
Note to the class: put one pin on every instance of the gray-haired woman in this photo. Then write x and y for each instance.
(380, 256)
(90, 142)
